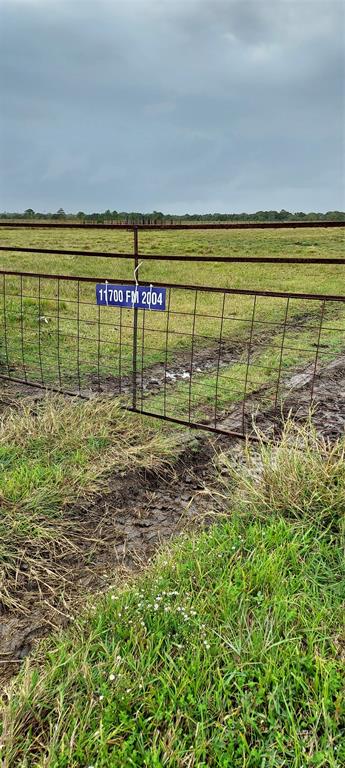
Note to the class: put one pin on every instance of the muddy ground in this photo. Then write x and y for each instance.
(112, 537)
(223, 353)
(328, 408)
(116, 533)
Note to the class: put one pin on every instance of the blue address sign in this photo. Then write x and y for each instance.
(131, 296)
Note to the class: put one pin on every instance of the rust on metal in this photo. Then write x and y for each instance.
(174, 257)
(59, 339)
(183, 286)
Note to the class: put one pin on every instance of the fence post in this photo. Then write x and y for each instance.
(135, 322)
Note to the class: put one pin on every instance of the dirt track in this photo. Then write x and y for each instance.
(153, 379)
(328, 402)
(117, 532)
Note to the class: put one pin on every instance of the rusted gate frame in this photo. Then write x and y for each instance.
(197, 289)
(173, 257)
(185, 286)
(136, 256)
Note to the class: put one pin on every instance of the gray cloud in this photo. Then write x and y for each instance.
(197, 105)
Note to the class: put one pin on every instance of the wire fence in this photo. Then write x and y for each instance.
(212, 359)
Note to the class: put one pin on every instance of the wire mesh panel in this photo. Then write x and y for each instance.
(214, 358)
(228, 356)
(53, 334)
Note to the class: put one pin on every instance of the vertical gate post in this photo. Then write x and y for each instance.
(135, 322)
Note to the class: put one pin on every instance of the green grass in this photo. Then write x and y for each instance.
(226, 653)
(107, 348)
(281, 243)
(54, 456)
(211, 394)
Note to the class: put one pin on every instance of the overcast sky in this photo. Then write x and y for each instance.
(173, 105)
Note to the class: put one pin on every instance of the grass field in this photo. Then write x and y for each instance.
(227, 653)
(76, 343)
(52, 456)
(281, 243)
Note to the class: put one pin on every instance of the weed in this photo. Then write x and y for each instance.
(52, 456)
(226, 653)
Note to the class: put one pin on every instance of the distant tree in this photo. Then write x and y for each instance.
(335, 216)
(283, 215)
(135, 217)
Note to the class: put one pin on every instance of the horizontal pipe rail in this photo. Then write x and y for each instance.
(195, 424)
(182, 422)
(47, 387)
(173, 257)
(181, 286)
(63, 252)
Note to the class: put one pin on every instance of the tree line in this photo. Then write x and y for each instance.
(157, 217)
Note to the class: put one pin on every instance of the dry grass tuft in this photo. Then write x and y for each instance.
(302, 477)
(51, 458)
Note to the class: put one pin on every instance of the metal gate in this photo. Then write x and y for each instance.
(217, 358)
